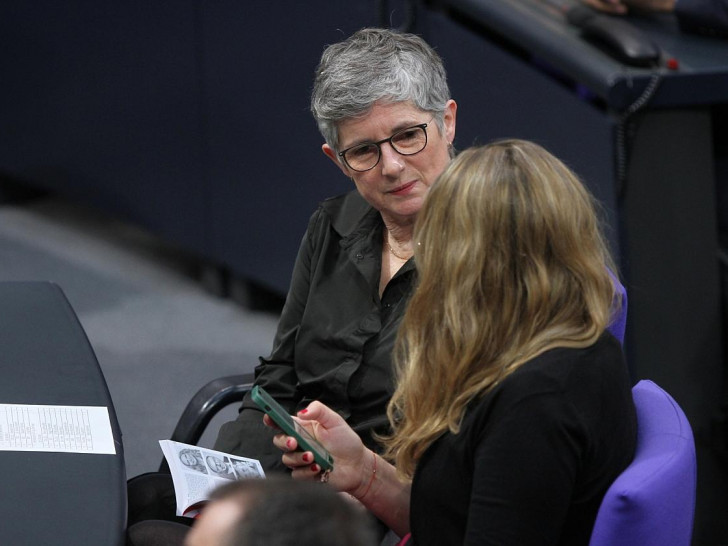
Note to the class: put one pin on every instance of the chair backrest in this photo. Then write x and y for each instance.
(618, 325)
(653, 501)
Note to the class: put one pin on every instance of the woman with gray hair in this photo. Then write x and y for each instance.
(383, 106)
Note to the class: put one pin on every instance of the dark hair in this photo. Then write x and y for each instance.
(281, 512)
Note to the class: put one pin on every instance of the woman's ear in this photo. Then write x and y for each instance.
(333, 156)
(449, 118)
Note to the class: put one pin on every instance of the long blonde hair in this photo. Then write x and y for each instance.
(512, 262)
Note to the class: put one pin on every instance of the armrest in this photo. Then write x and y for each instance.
(205, 404)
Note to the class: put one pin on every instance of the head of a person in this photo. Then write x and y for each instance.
(512, 262)
(217, 464)
(190, 457)
(279, 511)
(378, 84)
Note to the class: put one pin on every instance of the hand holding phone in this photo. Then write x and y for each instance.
(280, 416)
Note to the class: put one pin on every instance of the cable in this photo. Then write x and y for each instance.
(623, 124)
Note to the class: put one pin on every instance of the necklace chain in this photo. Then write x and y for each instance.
(386, 242)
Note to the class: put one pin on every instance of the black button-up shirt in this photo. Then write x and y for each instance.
(335, 336)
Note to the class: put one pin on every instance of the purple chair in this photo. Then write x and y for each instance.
(652, 502)
(619, 314)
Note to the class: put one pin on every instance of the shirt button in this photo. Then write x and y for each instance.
(359, 256)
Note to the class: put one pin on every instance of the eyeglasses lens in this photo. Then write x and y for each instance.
(407, 142)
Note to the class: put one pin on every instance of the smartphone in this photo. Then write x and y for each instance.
(280, 416)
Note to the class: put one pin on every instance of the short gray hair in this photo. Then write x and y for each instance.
(376, 64)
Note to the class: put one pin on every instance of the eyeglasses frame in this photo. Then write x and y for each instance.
(379, 143)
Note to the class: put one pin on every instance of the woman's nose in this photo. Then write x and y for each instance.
(392, 162)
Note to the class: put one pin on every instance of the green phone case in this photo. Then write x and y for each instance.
(280, 416)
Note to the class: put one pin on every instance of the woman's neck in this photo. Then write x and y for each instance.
(396, 250)
(398, 235)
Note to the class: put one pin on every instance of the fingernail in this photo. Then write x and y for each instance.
(289, 443)
(316, 468)
(306, 458)
(303, 411)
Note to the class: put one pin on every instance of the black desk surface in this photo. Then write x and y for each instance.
(540, 28)
(45, 358)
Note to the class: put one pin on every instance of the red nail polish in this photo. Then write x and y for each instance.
(303, 411)
(316, 468)
(289, 443)
(306, 458)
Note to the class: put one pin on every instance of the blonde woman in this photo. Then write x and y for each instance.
(513, 410)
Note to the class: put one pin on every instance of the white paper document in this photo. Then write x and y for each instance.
(196, 471)
(64, 429)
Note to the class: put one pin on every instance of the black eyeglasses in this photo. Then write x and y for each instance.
(366, 156)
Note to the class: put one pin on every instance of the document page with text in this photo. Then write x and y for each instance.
(64, 429)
